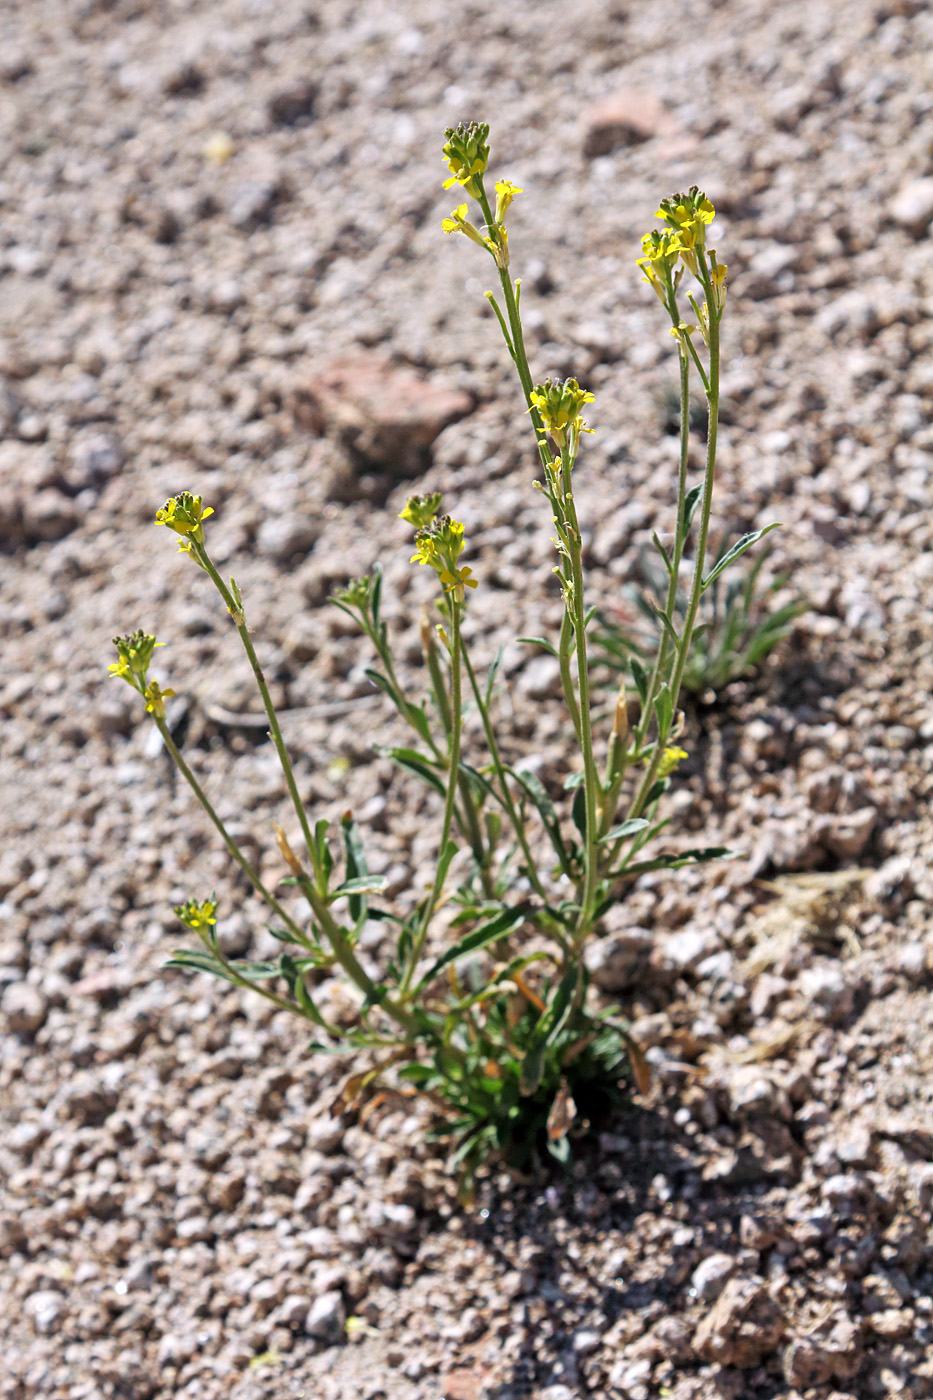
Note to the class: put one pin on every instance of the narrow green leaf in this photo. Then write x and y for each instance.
(675, 860)
(444, 859)
(626, 828)
(536, 790)
(573, 780)
(420, 766)
(418, 719)
(737, 549)
(532, 1068)
(656, 791)
(664, 710)
(662, 617)
(375, 594)
(356, 867)
(491, 678)
(499, 927)
(665, 557)
(578, 812)
(540, 642)
(292, 969)
(691, 501)
(363, 884)
(190, 960)
(255, 971)
(640, 677)
(548, 1027)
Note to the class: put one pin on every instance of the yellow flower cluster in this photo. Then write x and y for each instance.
(438, 543)
(197, 916)
(559, 403)
(184, 514)
(467, 152)
(683, 240)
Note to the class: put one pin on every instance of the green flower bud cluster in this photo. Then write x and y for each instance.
(135, 653)
(421, 510)
(356, 594)
(466, 148)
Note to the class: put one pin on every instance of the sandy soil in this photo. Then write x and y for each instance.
(206, 203)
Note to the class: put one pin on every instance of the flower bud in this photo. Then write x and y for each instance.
(421, 510)
(467, 150)
(135, 653)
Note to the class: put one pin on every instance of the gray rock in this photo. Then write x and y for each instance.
(614, 963)
(293, 106)
(45, 1308)
(251, 203)
(685, 950)
(628, 117)
(326, 1319)
(826, 985)
(13, 1236)
(94, 461)
(911, 961)
(25, 1008)
(912, 206)
(744, 1325)
(709, 1278)
(281, 537)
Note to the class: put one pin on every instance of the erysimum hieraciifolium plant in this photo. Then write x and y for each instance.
(481, 1005)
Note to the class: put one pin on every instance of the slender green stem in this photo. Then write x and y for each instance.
(404, 706)
(660, 661)
(696, 587)
(232, 847)
(351, 966)
(516, 340)
(456, 725)
(471, 829)
(708, 482)
(429, 651)
(274, 729)
(577, 608)
(499, 770)
(617, 761)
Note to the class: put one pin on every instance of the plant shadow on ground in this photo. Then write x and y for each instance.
(648, 1196)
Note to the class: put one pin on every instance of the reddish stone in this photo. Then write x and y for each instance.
(386, 417)
(628, 117)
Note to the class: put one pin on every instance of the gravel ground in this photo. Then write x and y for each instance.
(205, 204)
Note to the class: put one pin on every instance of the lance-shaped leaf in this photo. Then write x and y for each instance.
(691, 501)
(541, 642)
(626, 828)
(536, 790)
(420, 765)
(356, 867)
(491, 932)
(736, 551)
